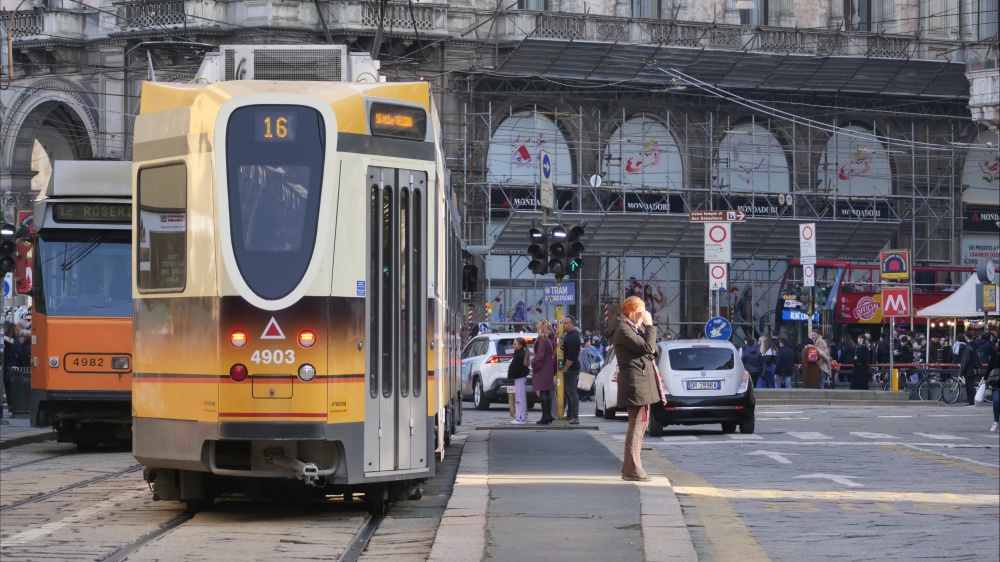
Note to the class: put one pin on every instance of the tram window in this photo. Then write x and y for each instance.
(274, 173)
(83, 274)
(162, 249)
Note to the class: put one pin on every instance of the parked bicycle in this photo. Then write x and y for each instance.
(925, 386)
(954, 388)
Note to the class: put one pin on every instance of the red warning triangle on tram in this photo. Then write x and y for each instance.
(272, 331)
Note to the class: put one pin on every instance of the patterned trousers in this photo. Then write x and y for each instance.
(638, 419)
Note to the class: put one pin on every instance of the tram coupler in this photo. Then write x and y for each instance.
(307, 472)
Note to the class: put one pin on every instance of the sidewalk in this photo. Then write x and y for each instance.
(556, 493)
(18, 431)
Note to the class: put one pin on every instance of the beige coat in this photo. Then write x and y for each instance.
(824, 355)
(636, 353)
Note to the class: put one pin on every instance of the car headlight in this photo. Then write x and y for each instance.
(745, 383)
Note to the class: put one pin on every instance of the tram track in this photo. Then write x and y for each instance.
(352, 552)
(85, 483)
(27, 463)
(129, 549)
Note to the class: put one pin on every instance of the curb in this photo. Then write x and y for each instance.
(26, 439)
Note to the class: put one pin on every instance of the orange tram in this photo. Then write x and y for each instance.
(81, 364)
(297, 268)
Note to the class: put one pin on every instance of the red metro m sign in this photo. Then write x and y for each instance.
(896, 302)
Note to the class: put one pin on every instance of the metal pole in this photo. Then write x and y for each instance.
(892, 351)
(559, 364)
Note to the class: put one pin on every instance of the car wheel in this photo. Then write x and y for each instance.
(609, 412)
(531, 404)
(478, 398)
(728, 427)
(448, 417)
(746, 426)
(458, 409)
(655, 427)
(598, 412)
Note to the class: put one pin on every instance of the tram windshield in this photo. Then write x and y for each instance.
(83, 274)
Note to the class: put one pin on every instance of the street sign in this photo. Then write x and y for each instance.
(559, 293)
(718, 276)
(895, 264)
(896, 302)
(718, 328)
(718, 242)
(808, 275)
(717, 216)
(807, 242)
(547, 193)
(484, 327)
(989, 298)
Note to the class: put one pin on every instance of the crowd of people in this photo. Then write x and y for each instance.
(16, 351)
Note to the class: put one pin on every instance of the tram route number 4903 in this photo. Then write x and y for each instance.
(277, 357)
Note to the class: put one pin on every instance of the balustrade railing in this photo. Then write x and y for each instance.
(142, 15)
(25, 24)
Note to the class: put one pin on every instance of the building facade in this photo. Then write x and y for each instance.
(856, 115)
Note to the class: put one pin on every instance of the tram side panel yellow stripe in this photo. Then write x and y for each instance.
(346, 360)
(176, 359)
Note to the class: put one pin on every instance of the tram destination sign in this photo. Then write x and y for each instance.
(717, 216)
(92, 212)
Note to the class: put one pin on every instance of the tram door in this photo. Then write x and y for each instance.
(396, 404)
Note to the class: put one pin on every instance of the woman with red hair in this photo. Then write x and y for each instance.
(638, 379)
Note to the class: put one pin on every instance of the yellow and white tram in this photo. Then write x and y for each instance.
(296, 296)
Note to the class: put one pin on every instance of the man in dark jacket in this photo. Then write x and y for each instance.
(752, 360)
(785, 366)
(984, 347)
(572, 343)
(969, 365)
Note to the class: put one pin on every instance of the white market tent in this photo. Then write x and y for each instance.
(961, 304)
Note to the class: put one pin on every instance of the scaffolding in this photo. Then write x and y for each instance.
(878, 174)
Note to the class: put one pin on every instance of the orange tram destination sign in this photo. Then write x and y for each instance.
(717, 216)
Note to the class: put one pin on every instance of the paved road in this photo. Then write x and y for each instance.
(850, 483)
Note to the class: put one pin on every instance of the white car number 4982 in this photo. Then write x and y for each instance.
(277, 356)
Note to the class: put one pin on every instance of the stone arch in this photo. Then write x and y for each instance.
(643, 154)
(752, 158)
(981, 170)
(59, 116)
(855, 163)
(516, 142)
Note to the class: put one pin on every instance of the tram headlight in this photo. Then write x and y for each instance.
(307, 372)
(307, 338)
(120, 363)
(238, 338)
(238, 372)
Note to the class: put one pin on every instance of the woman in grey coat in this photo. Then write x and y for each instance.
(638, 380)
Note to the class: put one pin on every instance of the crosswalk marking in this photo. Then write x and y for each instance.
(744, 437)
(808, 435)
(867, 435)
(940, 436)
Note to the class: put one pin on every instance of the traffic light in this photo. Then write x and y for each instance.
(557, 252)
(575, 249)
(470, 278)
(7, 248)
(538, 252)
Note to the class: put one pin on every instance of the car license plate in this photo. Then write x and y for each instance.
(703, 385)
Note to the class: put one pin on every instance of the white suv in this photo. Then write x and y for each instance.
(485, 360)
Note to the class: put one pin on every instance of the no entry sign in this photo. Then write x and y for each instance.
(718, 276)
(718, 242)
